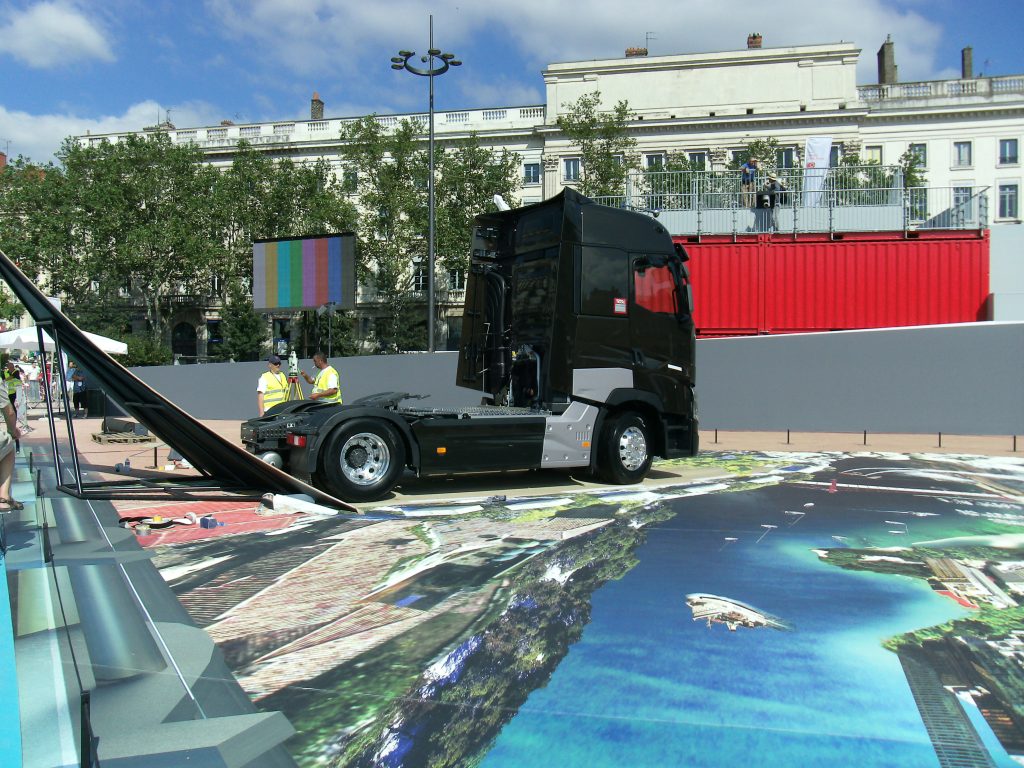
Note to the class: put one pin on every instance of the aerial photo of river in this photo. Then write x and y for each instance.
(648, 685)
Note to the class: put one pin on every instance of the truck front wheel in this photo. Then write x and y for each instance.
(362, 460)
(625, 455)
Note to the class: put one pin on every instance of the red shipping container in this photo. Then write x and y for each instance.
(759, 284)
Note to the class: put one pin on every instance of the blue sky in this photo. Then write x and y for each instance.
(72, 66)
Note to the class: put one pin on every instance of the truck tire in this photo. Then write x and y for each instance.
(625, 453)
(362, 460)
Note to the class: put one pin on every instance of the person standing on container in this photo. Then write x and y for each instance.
(748, 179)
(327, 384)
(777, 195)
(272, 387)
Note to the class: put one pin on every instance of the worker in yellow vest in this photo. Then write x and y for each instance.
(327, 384)
(272, 387)
(12, 378)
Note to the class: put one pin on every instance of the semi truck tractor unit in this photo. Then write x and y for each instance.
(577, 332)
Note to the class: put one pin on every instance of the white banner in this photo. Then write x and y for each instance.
(816, 160)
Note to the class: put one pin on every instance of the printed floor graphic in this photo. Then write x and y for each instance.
(802, 609)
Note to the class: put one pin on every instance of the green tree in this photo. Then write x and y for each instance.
(10, 307)
(391, 171)
(244, 330)
(765, 150)
(259, 198)
(606, 148)
(468, 178)
(144, 350)
(330, 333)
(134, 214)
(913, 169)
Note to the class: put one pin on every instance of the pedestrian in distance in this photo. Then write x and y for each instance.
(272, 388)
(7, 446)
(12, 379)
(76, 381)
(327, 384)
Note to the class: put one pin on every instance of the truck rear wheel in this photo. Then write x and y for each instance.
(625, 454)
(363, 460)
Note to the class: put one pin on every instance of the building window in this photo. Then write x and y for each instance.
(531, 173)
(785, 158)
(1009, 206)
(918, 198)
(350, 181)
(419, 277)
(873, 154)
(698, 160)
(1008, 152)
(738, 156)
(456, 280)
(572, 168)
(963, 202)
(962, 156)
(654, 162)
(835, 154)
(920, 151)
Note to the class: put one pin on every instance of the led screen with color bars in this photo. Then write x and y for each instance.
(299, 273)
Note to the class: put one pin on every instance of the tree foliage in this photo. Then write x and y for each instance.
(391, 168)
(765, 150)
(606, 149)
(326, 332)
(391, 182)
(468, 178)
(244, 330)
(125, 227)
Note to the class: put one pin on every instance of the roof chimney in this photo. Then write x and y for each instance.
(316, 108)
(632, 52)
(967, 63)
(887, 69)
(3, 160)
(754, 40)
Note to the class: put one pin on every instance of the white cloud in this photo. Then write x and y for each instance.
(308, 35)
(39, 136)
(53, 34)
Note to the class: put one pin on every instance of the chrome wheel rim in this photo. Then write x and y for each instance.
(365, 459)
(632, 448)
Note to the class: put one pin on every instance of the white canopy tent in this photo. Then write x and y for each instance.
(28, 339)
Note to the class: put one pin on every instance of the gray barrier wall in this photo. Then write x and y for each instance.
(1006, 272)
(960, 379)
(956, 379)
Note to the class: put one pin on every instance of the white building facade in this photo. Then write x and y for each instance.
(968, 132)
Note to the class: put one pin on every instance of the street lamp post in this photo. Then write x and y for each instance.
(432, 70)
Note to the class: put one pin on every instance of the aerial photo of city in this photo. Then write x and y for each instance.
(811, 609)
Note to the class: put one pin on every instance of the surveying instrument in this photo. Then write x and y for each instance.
(294, 388)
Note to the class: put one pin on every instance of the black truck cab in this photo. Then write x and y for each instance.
(578, 333)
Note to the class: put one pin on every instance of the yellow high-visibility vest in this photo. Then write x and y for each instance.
(12, 382)
(323, 376)
(276, 389)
